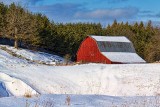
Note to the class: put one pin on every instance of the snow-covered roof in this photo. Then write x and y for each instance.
(117, 49)
(123, 57)
(110, 38)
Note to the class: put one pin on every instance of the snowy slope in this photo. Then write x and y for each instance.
(116, 80)
(87, 80)
(9, 59)
(40, 57)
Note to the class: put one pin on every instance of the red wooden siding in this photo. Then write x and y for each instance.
(89, 52)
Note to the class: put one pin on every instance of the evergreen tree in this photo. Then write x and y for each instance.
(3, 11)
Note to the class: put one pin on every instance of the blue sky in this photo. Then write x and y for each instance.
(103, 11)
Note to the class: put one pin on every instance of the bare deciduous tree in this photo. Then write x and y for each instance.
(20, 24)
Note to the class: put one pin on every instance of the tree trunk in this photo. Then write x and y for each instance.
(15, 38)
(16, 43)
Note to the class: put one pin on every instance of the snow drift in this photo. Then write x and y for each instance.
(11, 86)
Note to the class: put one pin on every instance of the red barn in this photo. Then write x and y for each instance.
(108, 49)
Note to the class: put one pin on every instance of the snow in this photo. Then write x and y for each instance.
(40, 57)
(124, 57)
(12, 86)
(87, 84)
(7, 58)
(111, 38)
(81, 101)
(113, 80)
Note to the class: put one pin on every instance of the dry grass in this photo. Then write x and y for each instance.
(28, 94)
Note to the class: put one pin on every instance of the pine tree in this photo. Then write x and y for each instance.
(3, 11)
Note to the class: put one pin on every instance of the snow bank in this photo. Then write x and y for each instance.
(12, 86)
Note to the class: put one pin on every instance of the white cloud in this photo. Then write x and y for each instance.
(108, 13)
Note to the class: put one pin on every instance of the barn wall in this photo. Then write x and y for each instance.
(89, 52)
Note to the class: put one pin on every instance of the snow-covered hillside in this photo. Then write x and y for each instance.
(39, 57)
(19, 77)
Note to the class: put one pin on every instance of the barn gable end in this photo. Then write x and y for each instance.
(89, 52)
(108, 49)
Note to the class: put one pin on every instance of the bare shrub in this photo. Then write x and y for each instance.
(68, 100)
(67, 58)
(28, 94)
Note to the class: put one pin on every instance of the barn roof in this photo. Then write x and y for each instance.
(123, 57)
(110, 38)
(117, 49)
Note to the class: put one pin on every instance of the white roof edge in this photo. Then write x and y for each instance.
(110, 38)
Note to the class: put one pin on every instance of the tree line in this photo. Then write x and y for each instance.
(36, 30)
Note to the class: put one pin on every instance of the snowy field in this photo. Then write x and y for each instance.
(80, 101)
(88, 85)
